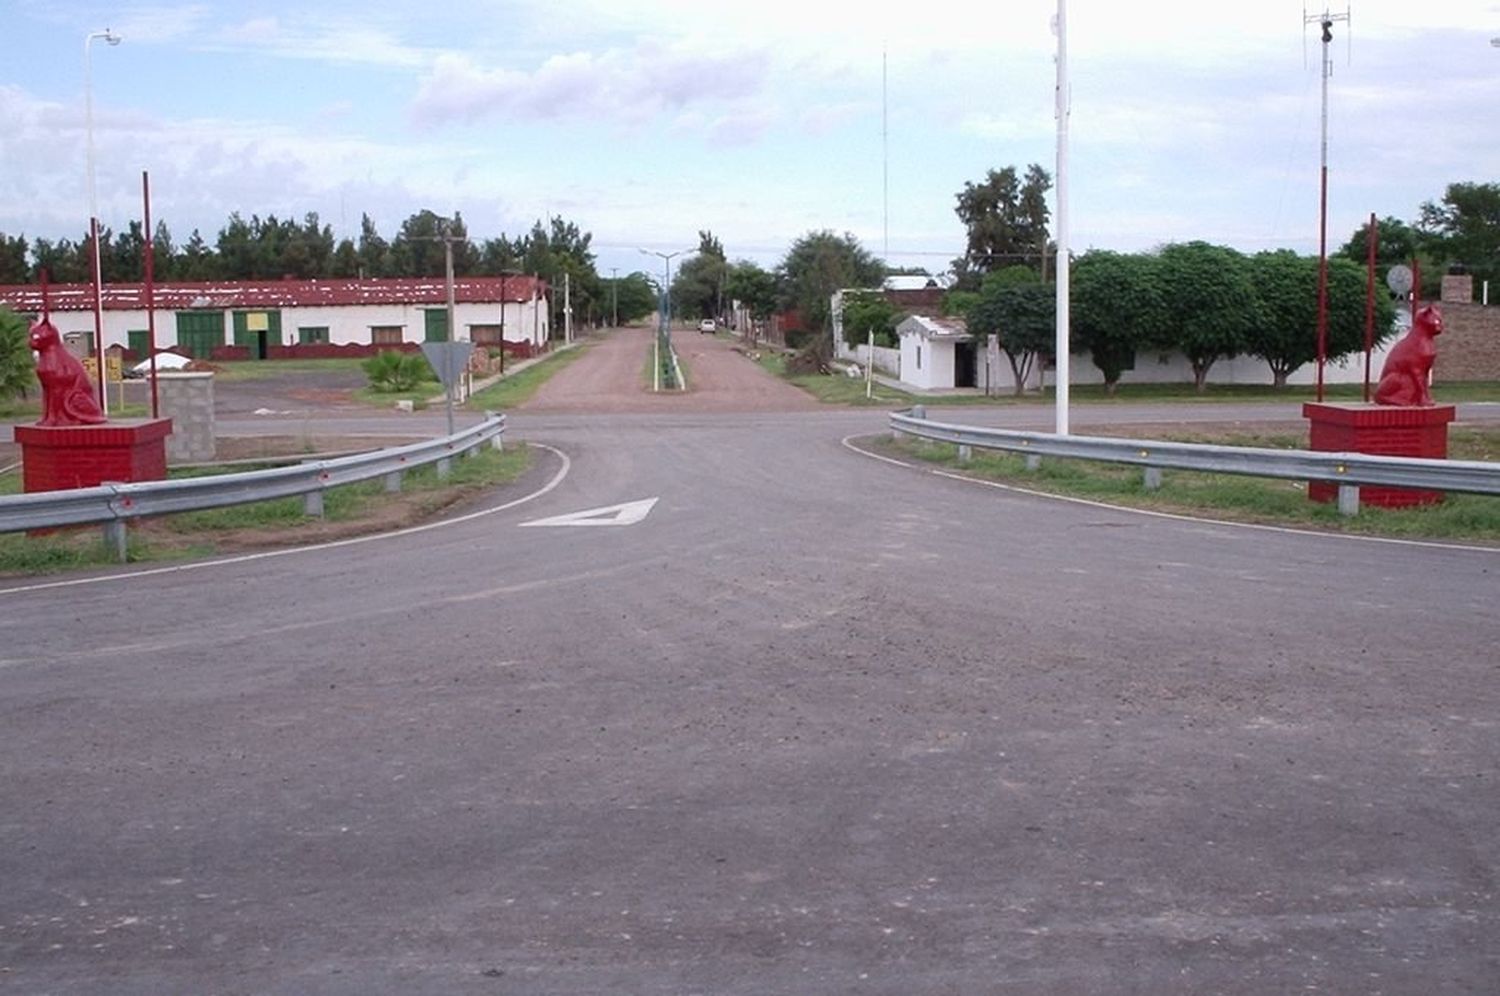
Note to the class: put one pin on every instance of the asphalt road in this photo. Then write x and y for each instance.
(815, 724)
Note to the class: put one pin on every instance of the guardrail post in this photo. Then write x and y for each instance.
(965, 452)
(1348, 499)
(918, 411)
(393, 481)
(1033, 461)
(1152, 479)
(312, 504)
(444, 467)
(114, 538)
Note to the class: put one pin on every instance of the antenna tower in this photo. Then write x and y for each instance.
(1325, 22)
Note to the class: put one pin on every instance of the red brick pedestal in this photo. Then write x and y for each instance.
(81, 456)
(1381, 430)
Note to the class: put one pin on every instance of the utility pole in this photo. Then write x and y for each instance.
(567, 307)
(614, 296)
(447, 238)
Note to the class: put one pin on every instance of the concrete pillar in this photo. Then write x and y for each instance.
(187, 398)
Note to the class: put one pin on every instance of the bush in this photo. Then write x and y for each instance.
(391, 371)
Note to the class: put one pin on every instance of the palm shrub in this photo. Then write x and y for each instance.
(393, 371)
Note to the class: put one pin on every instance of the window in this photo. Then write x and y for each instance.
(310, 334)
(386, 335)
(919, 356)
(484, 335)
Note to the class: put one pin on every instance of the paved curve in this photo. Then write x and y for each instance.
(818, 724)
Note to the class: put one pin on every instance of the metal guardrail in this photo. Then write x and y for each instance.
(115, 504)
(1346, 470)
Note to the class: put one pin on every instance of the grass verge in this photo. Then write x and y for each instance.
(349, 510)
(242, 370)
(1471, 518)
(517, 388)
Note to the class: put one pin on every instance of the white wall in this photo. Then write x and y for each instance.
(1174, 368)
(887, 360)
(936, 369)
(346, 324)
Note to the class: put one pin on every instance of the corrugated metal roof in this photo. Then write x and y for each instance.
(934, 328)
(245, 294)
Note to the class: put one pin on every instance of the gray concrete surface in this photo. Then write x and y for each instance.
(818, 724)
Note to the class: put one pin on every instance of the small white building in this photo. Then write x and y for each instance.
(937, 353)
(260, 317)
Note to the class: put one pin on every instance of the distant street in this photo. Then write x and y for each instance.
(808, 722)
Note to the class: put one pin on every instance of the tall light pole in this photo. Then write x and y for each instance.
(666, 294)
(614, 296)
(1064, 110)
(88, 127)
(666, 308)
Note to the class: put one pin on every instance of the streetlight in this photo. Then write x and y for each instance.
(666, 258)
(110, 38)
(666, 307)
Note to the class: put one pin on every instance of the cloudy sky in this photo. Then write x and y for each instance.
(647, 120)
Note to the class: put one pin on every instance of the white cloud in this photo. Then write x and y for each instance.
(614, 84)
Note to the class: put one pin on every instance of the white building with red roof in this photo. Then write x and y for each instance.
(251, 319)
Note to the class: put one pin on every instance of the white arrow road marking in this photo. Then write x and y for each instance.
(626, 514)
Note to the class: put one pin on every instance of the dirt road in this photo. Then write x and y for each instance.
(609, 379)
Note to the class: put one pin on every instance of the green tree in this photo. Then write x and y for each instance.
(17, 371)
(815, 266)
(1117, 306)
(866, 312)
(417, 250)
(1024, 318)
(1212, 303)
(1285, 333)
(345, 263)
(561, 250)
(698, 287)
(13, 268)
(1005, 218)
(374, 252)
(197, 262)
(636, 297)
(1466, 226)
(65, 262)
(1396, 242)
(753, 286)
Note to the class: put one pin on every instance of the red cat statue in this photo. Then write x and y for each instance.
(67, 394)
(1403, 379)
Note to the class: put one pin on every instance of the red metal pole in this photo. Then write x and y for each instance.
(1370, 240)
(150, 291)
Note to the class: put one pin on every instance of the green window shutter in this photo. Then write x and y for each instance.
(437, 325)
(138, 342)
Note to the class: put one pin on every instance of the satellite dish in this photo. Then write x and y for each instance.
(1399, 279)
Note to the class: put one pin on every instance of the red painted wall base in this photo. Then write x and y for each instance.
(81, 456)
(1380, 430)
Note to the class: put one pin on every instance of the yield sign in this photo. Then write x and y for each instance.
(627, 514)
